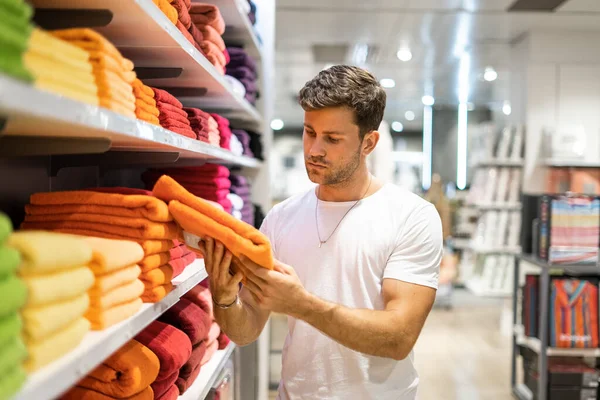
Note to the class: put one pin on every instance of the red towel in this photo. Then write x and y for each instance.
(184, 381)
(196, 34)
(170, 108)
(207, 14)
(190, 319)
(211, 349)
(171, 123)
(183, 12)
(166, 117)
(196, 113)
(179, 264)
(213, 36)
(178, 250)
(171, 394)
(185, 176)
(198, 352)
(213, 333)
(165, 97)
(162, 386)
(223, 341)
(172, 347)
(186, 33)
(201, 296)
(183, 132)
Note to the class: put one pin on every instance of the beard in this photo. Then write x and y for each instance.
(333, 174)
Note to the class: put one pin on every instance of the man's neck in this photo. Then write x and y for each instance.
(355, 188)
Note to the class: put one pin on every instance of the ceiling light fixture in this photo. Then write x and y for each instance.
(404, 54)
(506, 108)
(387, 83)
(277, 124)
(428, 100)
(490, 74)
(397, 126)
(409, 115)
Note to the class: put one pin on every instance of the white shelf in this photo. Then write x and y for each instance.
(57, 116)
(535, 344)
(478, 289)
(209, 373)
(557, 162)
(146, 36)
(495, 250)
(498, 206)
(500, 162)
(54, 379)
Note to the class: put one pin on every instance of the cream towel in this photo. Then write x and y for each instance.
(42, 321)
(58, 286)
(118, 295)
(110, 255)
(102, 319)
(105, 283)
(58, 50)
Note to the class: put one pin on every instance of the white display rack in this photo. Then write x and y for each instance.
(535, 344)
(209, 373)
(500, 162)
(146, 36)
(57, 116)
(54, 379)
(478, 288)
(557, 162)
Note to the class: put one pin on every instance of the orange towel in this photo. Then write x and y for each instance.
(105, 318)
(199, 217)
(93, 209)
(130, 370)
(121, 232)
(87, 39)
(107, 282)
(119, 295)
(212, 52)
(143, 100)
(212, 35)
(167, 9)
(150, 207)
(154, 261)
(157, 276)
(207, 14)
(139, 87)
(144, 116)
(117, 108)
(157, 293)
(120, 66)
(148, 108)
(109, 255)
(80, 393)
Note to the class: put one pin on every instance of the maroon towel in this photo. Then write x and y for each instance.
(171, 123)
(165, 97)
(211, 349)
(213, 333)
(184, 381)
(171, 394)
(200, 295)
(187, 132)
(186, 33)
(179, 264)
(190, 319)
(183, 12)
(196, 112)
(162, 386)
(196, 35)
(172, 347)
(223, 340)
(171, 116)
(170, 109)
(195, 359)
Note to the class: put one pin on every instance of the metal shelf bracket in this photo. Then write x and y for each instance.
(64, 18)
(112, 160)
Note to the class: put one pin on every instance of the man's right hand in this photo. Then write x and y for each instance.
(217, 260)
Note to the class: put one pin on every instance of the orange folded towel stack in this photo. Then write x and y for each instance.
(112, 213)
(114, 74)
(167, 9)
(116, 293)
(145, 105)
(207, 28)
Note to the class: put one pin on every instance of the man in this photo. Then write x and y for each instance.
(357, 260)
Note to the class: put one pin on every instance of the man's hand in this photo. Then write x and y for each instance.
(279, 290)
(217, 260)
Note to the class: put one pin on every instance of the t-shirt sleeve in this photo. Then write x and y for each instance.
(268, 228)
(418, 252)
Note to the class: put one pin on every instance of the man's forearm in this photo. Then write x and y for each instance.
(239, 322)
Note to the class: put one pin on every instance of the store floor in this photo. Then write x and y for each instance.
(461, 353)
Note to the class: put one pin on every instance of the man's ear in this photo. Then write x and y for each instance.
(369, 142)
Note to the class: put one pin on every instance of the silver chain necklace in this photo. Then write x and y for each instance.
(322, 242)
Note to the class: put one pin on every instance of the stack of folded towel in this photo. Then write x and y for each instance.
(244, 138)
(15, 30)
(181, 257)
(240, 187)
(113, 213)
(209, 181)
(145, 105)
(55, 271)
(114, 73)
(206, 28)
(224, 131)
(60, 67)
(184, 21)
(243, 68)
(127, 374)
(172, 116)
(236, 146)
(116, 293)
(167, 9)
(204, 125)
(173, 349)
(14, 295)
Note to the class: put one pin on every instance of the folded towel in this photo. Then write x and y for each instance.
(162, 96)
(167, 108)
(47, 251)
(182, 12)
(57, 286)
(14, 295)
(105, 61)
(173, 117)
(142, 91)
(178, 250)
(184, 380)
(162, 386)
(213, 333)
(157, 276)
(88, 39)
(53, 347)
(58, 51)
(201, 296)
(11, 381)
(195, 359)
(12, 355)
(242, 72)
(190, 176)
(198, 217)
(149, 206)
(211, 349)
(9, 260)
(110, 255)
(42, 321)
(207, 14)
(190, 319)
(154, 261)
(119, 295)
(168, 123)
(80, 393)
(10, 326)
(107, 282)
(104, 318)
(167, 9)
(223, 340)
(118, 108)
(210, 33)
(146, 117)
(6, 227)
(210, 49)
(112, 87)
(179, 264)
(171, 346)
(171, 394)
(141, 105)
(187, 132)
(129, 371)
(157, 293)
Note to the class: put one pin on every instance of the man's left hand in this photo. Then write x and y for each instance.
(279, 290)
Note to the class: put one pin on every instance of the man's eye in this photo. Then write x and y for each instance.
(332, 140)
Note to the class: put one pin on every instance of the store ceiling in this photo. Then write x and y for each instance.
(313, 33)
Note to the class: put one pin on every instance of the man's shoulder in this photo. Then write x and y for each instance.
(291, 204)
(402, 200)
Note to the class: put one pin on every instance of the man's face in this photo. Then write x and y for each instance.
(331, 145)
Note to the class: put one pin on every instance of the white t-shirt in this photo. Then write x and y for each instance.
(392, 234)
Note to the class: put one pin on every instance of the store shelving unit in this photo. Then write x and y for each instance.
(208, 375)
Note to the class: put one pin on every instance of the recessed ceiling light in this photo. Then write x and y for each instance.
(387, 83)
(397, 126)
(428, 100)
(409, 115)
(277, 124)
(490, 74)
(506, 108)
(404, 54)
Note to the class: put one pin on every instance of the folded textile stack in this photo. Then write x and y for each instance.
(116, 293)
(107, 213)
(14, 295)
(207, 26)
(15, 30)
(145, 105)
(127, 374)
(171, 114)
(57, 279)
(167, 9)
(243, 68)
(60, 67)
(181, 257)
(224, 131)
(244, 138)
(241, 187)
(200, 218)
(236, 146)
(209, 181)
(204, 125)
(114, 73)
(173, 349)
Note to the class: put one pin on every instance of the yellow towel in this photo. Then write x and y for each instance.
(45, 351)
(119, 295)
(110, 255)
(118, 108)
(42, 321)
(122, 67)
(105, 283)
(109, 83)
(49, 251)
(87, 39)
(57, 286)
(102, 319)
(58, 50)
(59, 88)
(41, 66)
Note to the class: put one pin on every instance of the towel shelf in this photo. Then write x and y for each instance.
(209, 373)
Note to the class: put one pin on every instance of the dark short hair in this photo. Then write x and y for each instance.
(347, 86)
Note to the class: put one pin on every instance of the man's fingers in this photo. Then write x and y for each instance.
(224, 268)
(284, 269)
(253, 287)
(236, 279)
(250, 275)
(209, 246)
(253, 267)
